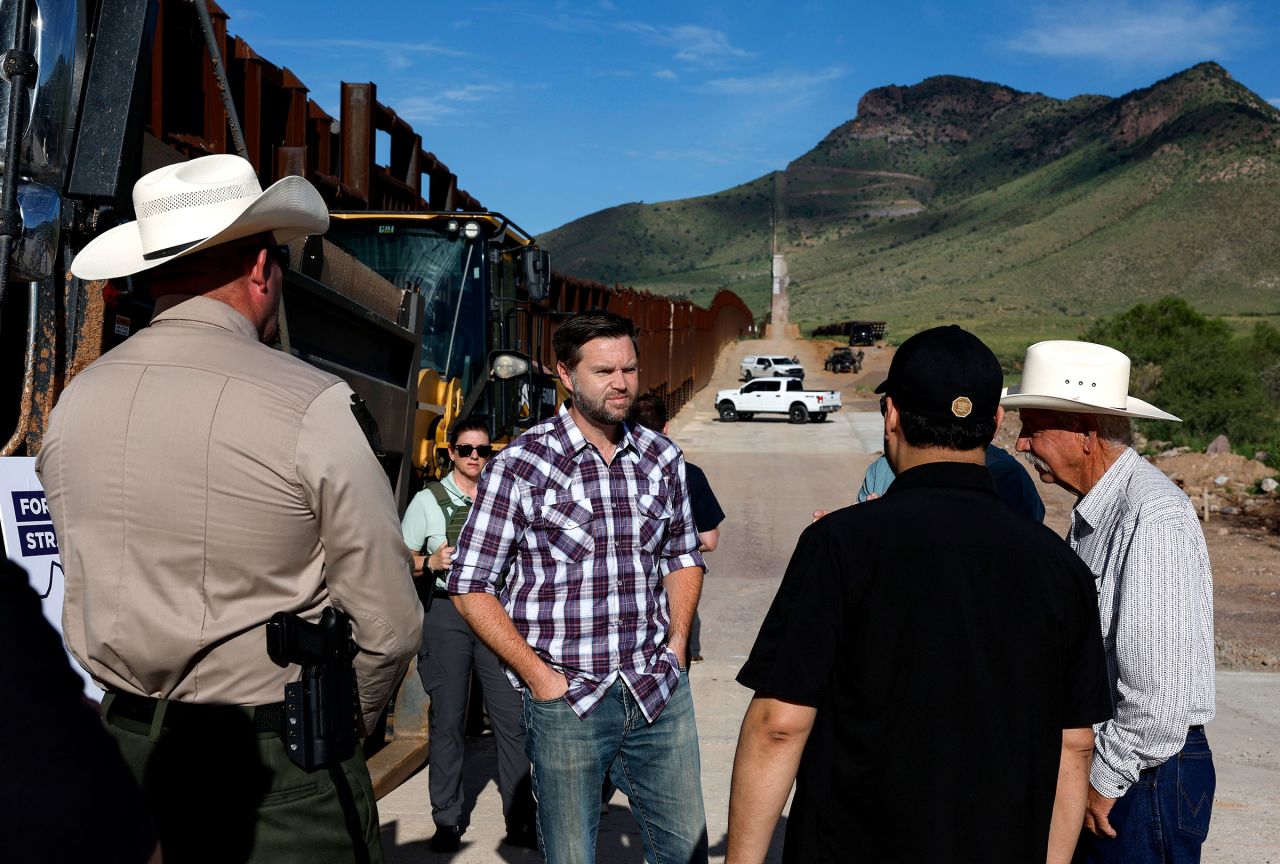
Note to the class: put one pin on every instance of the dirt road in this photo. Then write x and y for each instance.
(770, 476)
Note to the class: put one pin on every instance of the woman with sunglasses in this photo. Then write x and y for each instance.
(450, 650)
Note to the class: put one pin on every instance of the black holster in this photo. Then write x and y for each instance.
(322, 709)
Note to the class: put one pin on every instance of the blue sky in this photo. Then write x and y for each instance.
(549, 111)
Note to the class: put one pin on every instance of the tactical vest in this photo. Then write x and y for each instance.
(455, 512)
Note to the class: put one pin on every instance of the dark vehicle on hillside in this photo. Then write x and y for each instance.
(862, 334)
(843, 359)
(857, 332)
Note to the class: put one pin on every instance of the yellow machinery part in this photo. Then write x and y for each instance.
(439, 403)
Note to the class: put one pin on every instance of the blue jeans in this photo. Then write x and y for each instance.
(1164, 817)
(655, 765)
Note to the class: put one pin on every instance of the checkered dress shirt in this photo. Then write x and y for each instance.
(584, 548)
(1139, 535)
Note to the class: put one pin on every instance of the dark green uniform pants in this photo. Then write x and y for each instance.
(217, 790)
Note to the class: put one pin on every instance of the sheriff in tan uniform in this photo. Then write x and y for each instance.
(201, 482)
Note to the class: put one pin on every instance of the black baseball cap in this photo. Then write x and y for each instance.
(945, 373)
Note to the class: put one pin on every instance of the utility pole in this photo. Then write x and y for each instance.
(773, 220)
(778, 305)
(773, 212)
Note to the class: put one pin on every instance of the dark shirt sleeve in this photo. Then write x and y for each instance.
(1087, 694)
(706, 509)
(793, 654)
(64, 781)
(1014, 484)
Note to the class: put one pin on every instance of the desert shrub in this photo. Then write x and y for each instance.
(1189, 365)
(1153, 333)
(1264, 352)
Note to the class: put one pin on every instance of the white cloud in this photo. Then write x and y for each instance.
(774, 82)
(1275, 101)
(666, 75)
(471, 92)
(417, 109)
(452, 104)
(691, 44)
(241, 14)
(702, 44)
(1134, 33)
(397, 56)
(561, 16)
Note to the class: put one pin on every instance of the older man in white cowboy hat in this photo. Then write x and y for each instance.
(201, 482)
(1152, 778)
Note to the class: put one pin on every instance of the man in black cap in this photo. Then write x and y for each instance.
(930, 669)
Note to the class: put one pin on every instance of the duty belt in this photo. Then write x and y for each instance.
(142, 709)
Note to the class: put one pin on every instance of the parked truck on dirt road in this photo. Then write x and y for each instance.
(842, 359)
(776, 396)
(765, 367)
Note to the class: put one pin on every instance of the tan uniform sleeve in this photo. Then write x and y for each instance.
(368, 570)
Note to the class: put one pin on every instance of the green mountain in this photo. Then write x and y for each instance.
(1019, 215)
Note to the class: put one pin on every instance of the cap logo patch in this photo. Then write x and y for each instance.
(961, 406)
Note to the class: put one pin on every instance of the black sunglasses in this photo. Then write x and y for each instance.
(280, 255)
(884, 405)
(484, 451)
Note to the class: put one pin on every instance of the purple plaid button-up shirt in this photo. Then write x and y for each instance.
(584, 547)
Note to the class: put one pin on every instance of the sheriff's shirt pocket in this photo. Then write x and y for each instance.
(563, 527)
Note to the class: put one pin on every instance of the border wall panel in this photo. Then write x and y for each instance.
(679, 342)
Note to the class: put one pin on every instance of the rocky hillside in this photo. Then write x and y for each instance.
(962, 200)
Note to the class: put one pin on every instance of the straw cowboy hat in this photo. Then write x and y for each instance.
(1080, 378)
(190, 206)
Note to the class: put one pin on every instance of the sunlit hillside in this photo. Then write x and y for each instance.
(959, 200)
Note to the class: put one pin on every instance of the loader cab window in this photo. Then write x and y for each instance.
(446, 269)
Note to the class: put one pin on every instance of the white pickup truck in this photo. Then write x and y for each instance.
(759, 366)
(776, 396)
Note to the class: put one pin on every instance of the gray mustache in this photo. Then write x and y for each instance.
(1036, 463)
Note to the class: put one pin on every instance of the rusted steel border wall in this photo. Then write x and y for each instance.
(679, 342)
(285, 131)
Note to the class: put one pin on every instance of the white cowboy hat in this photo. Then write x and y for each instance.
(1080, 378)
(194, 205)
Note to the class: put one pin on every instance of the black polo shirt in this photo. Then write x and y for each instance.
(946, 642)
(707, 514)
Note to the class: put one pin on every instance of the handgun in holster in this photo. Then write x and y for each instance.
(322, 709)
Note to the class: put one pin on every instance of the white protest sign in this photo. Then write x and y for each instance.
(32, 544)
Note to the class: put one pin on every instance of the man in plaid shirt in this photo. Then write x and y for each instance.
(579, 568)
